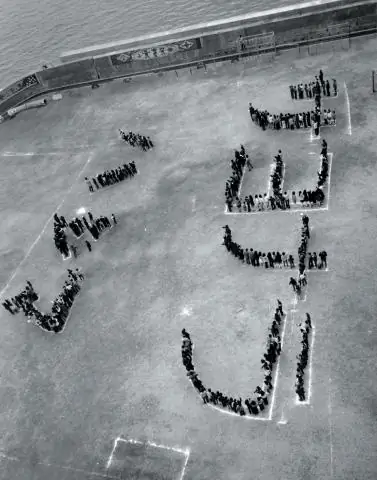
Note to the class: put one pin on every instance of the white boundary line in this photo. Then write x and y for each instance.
(186, 452)
(63, 467)
(330, 429)
(234, 414)
(241, 181)
(348, 109)
(44, 228)
(329, 180)
(58, 152)
(288, 210)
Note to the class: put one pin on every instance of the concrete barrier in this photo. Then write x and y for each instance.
(293, 26)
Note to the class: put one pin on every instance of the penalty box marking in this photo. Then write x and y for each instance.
(186, 452)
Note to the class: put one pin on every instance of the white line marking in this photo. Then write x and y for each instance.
(240, 187)
(43, 229)
(330, 428)
(348, 109)
(112, 452)
(329, 180)
(277, 371)
(186, 452)
(234, 414)
(193, 203)
(291, 210)
(64, 467)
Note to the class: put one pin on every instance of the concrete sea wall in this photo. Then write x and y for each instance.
(293, 26)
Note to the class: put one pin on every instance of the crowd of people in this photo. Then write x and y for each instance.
(303, 358)
(258, 202)
(233, 184)
(110, 177)
(78, 227)
(136, 140)
(292, 121)
(254, 405)
(313, 88)
(254, 258)
(61, 306)
(22, 300)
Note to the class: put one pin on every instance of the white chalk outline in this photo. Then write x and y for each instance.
(44, 228)
(63, 467)
(330, 430)
(348, 109)
(277, 370)
(57, 152)
(186, 452)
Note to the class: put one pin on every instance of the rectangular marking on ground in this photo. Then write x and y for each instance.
(275, 386)
(132, 458)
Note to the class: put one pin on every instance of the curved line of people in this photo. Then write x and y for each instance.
(238, 164)
(136, 140)
(254, 258)
(302, 358)
(292, 121)
(94, 226)
(313, 88)
(61, 306)
(111, 177)
(255, 404)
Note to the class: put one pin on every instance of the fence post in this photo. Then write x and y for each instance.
(373, 74)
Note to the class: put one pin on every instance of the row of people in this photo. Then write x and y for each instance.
(259, 203)
(314, 88)
(238, 164)
(311, 89)
(292, 121)
(111, 177)
(135, 139)
(254, 258)
(276, 179)
(303, 358)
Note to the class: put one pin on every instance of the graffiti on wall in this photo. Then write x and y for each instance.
(26, 82)
(156, 52)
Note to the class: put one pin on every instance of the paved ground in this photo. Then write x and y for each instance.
(116, 370)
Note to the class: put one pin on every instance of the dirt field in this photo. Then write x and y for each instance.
(116, 370)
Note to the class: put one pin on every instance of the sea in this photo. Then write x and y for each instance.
(36, 32)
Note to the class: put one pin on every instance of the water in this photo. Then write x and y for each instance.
(34, 32)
